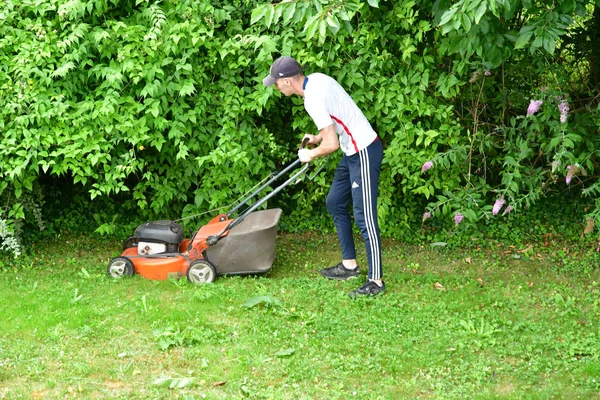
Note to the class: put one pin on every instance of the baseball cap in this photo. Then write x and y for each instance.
(283, 67)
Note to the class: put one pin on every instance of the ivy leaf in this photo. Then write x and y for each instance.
(523, 40)
(480, 11)
(187, 88)
(288, 11)
(322, 31)
(259, 12)
(374, 3)
(447, 16)
(63, 70)
(269, 16)
(261, 300)
(311, 27)
(333, 23)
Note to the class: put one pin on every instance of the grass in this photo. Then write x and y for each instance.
(492, 323)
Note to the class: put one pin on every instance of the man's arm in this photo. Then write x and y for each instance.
(329, 143)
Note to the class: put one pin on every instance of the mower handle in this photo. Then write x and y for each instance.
(213, 239)
(277, 176)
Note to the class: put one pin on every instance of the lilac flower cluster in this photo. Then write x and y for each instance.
(427, 166)
(569, 174)
(498, 206)
(426, 215)
(458, 217)
(534, 106)
(563, 108)
(573, 170)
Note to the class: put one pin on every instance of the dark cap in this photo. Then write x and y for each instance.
(283, 67)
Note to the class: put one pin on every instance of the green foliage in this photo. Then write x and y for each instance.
(436, 94)
(143, 98)
(160, 103)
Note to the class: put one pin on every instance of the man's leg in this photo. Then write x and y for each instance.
(337, 203)
(364, 173)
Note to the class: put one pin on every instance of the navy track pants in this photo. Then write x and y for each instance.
(357, 178)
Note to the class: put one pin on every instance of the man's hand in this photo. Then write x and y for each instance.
(305, 155)
(312, 139)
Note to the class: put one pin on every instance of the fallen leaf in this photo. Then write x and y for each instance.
(589, 226)
(539, 256)
(285, 352)
(439, 286)
(525, 249)
(530, 284)
(480, 281)
(174, 383)
(222, 383)
(441, 244)
(468, 260)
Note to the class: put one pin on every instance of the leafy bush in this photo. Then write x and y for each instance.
(448, 85)
(162, 103)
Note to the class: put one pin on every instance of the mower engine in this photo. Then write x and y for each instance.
(158, 237)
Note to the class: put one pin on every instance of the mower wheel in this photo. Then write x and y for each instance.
(119, 267)
(200, 272)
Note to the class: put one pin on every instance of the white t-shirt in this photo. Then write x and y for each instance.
(328, 103)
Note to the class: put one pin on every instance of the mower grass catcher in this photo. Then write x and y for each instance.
(224, 246)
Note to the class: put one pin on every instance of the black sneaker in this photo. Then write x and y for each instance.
(339, 272)
(368, 289)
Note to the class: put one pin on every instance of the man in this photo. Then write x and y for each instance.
(357, 175)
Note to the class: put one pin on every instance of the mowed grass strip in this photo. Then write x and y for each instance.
(455, 324)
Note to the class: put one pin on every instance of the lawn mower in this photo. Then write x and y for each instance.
(224, 246)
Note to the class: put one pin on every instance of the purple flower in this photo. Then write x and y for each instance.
(426, 215)
(563, 107)
(507, 210)
(487, 72)
(458, 217)
(427, 166)
(498, 206)
(534, 106)
(571, 171)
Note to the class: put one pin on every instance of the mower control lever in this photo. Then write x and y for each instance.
(212, 240)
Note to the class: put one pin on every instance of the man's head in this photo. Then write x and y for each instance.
(284, 73)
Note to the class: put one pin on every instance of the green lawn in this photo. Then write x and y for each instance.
(506, 323)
